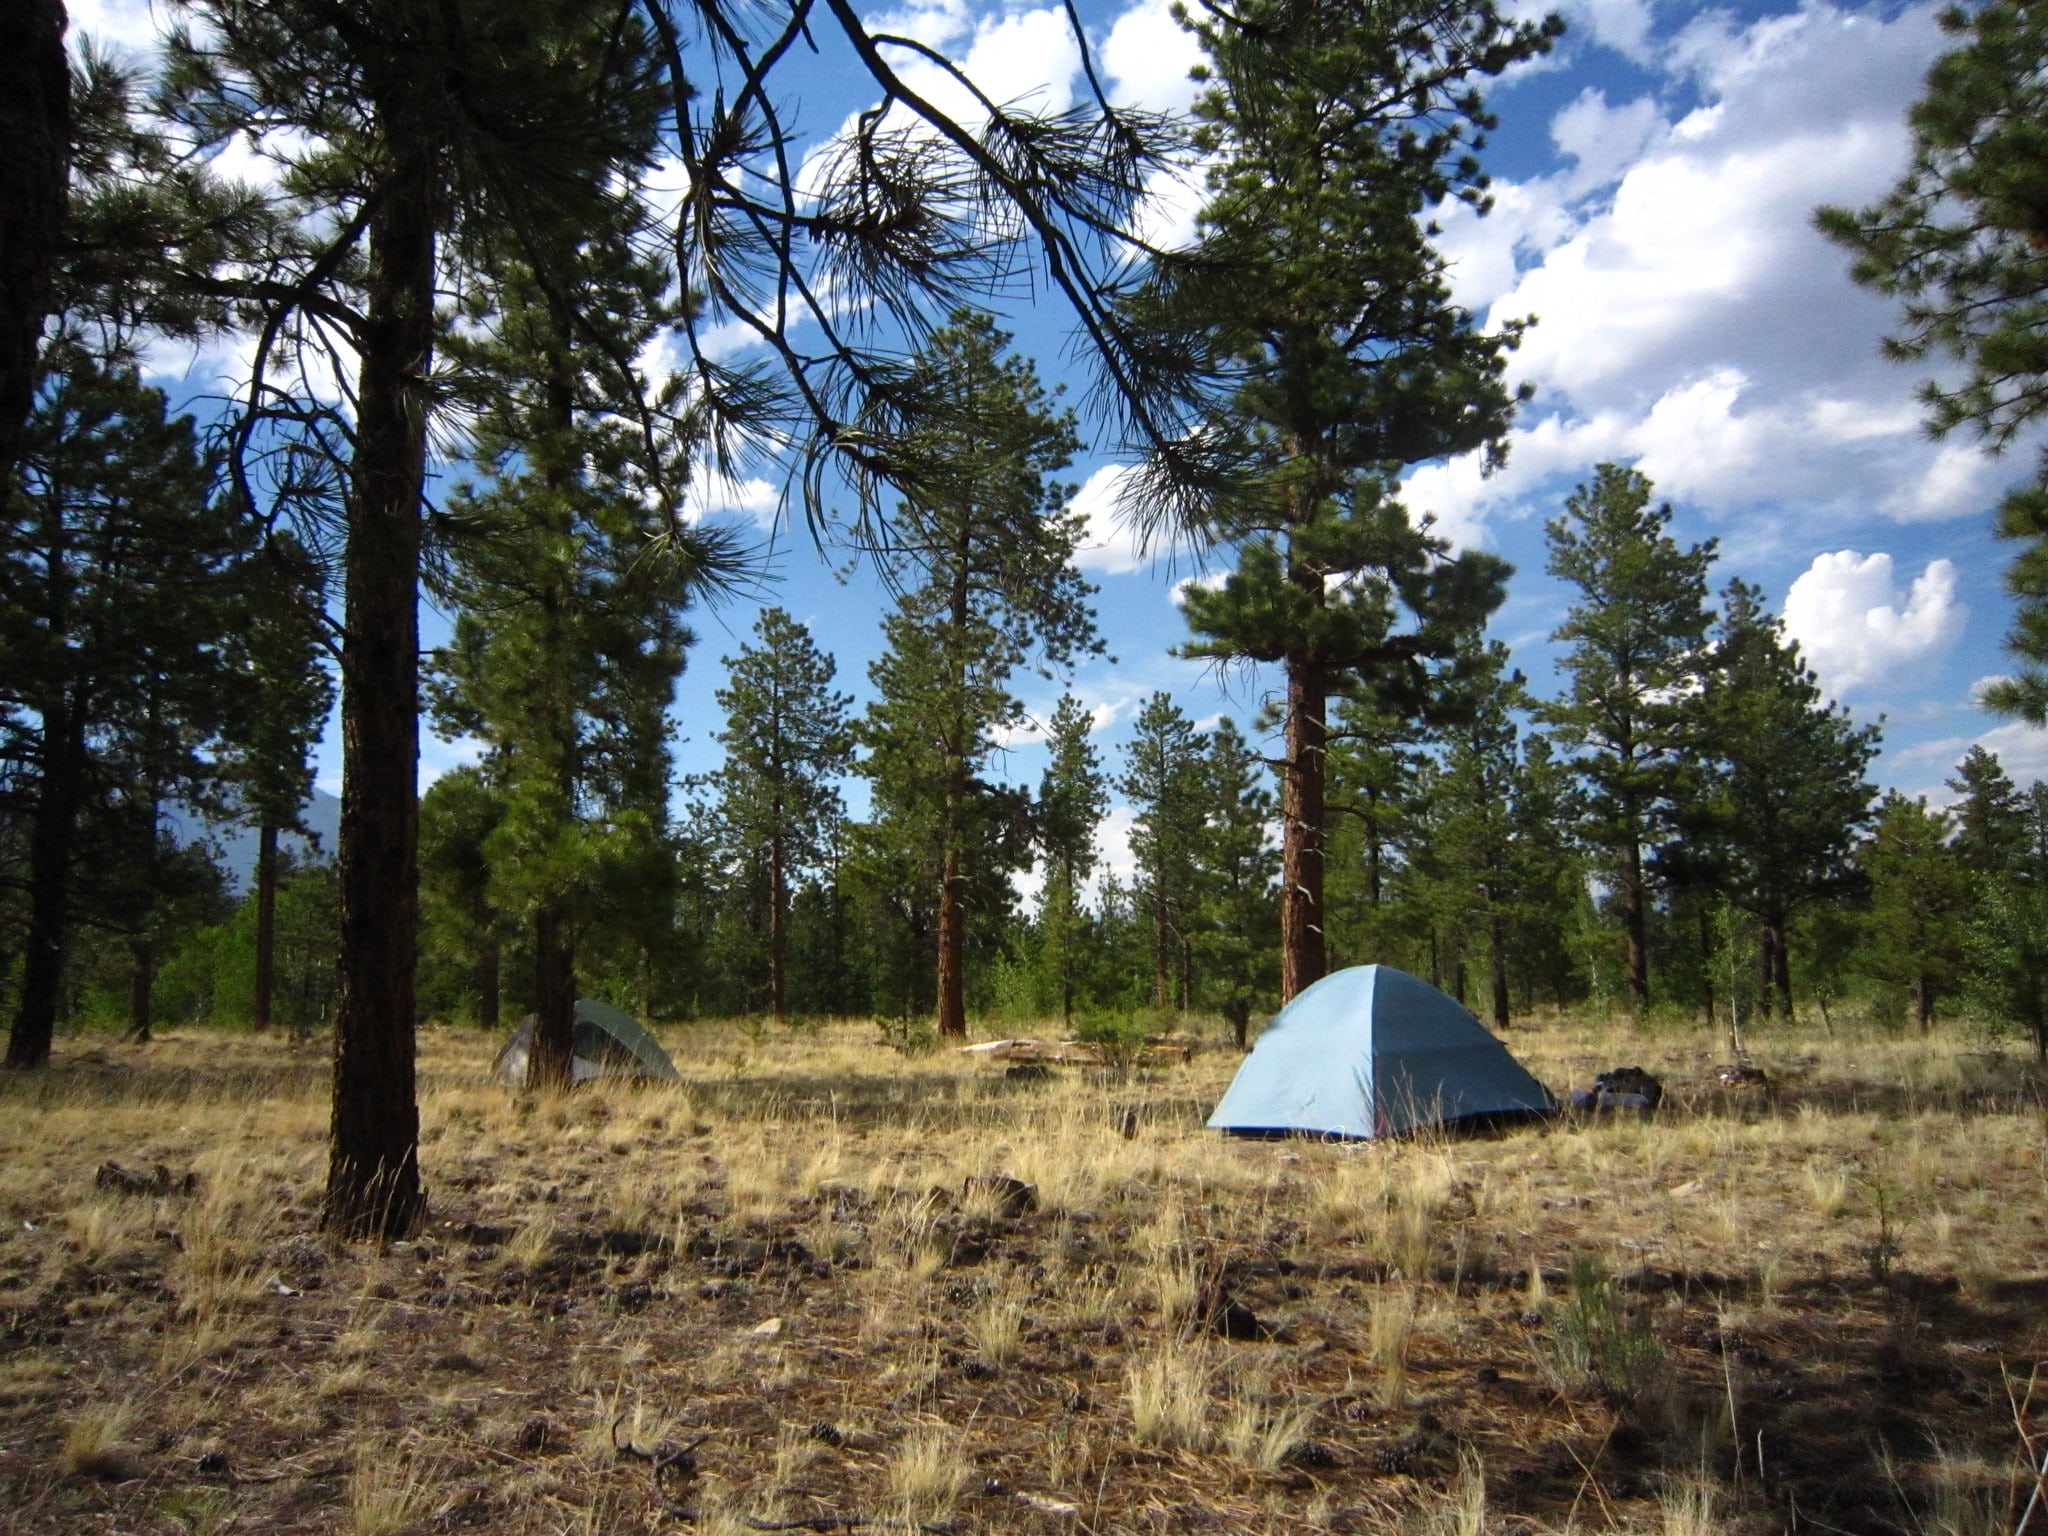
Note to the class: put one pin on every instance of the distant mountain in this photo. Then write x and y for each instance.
(237, 843)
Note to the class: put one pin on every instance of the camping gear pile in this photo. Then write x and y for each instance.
(1372, 1051)
(1623, 1088)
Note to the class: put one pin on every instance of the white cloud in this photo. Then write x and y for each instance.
(1854, 627)
(128, 28)
(1689, 316)
(712, 494)
(935, 23)
(1108, 543)
(2022, 750)
(1147, 56)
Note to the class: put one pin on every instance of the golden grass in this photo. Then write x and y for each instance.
(930, 1342)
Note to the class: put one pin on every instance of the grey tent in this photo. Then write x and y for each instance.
(608, 1043)
(1373, 1051)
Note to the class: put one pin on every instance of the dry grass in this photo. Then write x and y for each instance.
(1837, 1279)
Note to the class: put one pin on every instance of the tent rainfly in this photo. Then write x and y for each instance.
(1372, 1051)
(608, 1043)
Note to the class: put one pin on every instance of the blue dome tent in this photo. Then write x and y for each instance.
(1372, 1051)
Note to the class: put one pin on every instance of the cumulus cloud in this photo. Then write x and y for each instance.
(1147, 56)
(2022, 750)
(1689, 317)
(1108, 544)
(1855, 627)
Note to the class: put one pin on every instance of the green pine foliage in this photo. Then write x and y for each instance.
(1635, 654)
(1962, 244)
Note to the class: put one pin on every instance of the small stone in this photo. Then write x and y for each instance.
(766, 1330)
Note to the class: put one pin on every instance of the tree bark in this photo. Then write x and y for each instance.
(49, 888)
(35, 175)
(1497, 947)
(550, 1066)
(373, 1179)
(266, 924)
(1635, 922)
(1303, 953)
(1781, 969)
(487, 986)
(952, 943)
(778, 921)
(1766, 970)
(141, 992)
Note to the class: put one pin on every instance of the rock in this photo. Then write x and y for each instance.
(769, 1329)
(1011, 1197)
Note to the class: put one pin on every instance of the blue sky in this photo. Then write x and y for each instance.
(1654, 182)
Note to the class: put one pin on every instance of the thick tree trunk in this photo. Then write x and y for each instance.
(1303, 954)
(141, 992)
(549, 1068)
(1706, 926)
(952, 945)
(266, 924)
(1923, 1002)
(1781, 969)
(487, 986)
(35, 173)
(1636, 924)
(1496, 940)
(49, 889)
(373, 1177)
(778, 921)
(1162, 949)
(1766, 970)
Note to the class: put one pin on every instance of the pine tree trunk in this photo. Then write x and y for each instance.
(1303, 957)
(487, 986)
(952, 943)
(1707, 958)
(1766, 970)
(1781, 971)
(141, 992)
(1162, 947)
(49, 888)
(35, 125)
(373, 1176)
(778, 921)
(1497, 946)
(1636, 924)
(266, 923)
(1923, 1002)
(550, 1066)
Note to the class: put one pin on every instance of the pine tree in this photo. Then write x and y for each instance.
(787, 742)
(285, 695)
(1163, 780)
(1236, 868)
(1315, 286)
(1636, 641)
(1788, 792)
(1072, 797)
(116, 559)
(1470, 861)
(987, 585)
(568, 637)
(1919, 898)
(1962, 243)
(1990, 814)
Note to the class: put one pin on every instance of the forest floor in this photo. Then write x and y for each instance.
(797, 1282)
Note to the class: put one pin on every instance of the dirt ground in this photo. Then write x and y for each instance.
(801, 1292)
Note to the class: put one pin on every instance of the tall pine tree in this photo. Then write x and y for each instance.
(1315, 286)
(987, 584)
(1636, 650)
